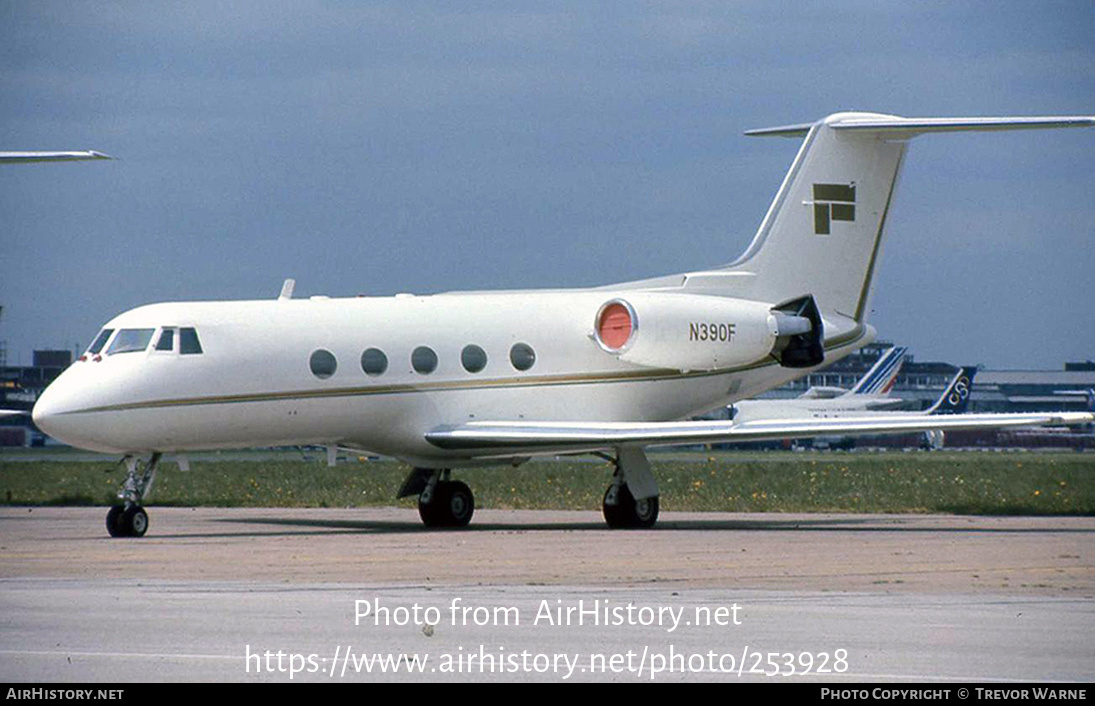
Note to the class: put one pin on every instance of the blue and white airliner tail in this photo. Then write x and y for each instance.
(956, 397)
(880, 379)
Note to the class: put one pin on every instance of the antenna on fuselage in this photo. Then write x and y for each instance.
(287, 289)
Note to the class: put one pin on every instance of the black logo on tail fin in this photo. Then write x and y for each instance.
(832, 202)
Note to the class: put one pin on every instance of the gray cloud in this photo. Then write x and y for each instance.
(382, 147)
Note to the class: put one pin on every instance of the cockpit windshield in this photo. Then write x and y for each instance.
(131, 340)
(100, 341)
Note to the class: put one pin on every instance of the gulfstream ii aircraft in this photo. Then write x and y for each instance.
(469, 378)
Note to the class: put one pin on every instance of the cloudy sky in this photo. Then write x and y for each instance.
(380, 147)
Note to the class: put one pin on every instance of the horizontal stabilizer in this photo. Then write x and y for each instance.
(909, 127)
(916, 126)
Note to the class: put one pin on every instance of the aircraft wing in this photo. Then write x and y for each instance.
(507, 438)
(23, 157)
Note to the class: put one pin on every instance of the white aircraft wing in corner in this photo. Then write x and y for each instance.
(71, 156)
(507, 438)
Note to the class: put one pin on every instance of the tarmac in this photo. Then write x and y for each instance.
(341, 595)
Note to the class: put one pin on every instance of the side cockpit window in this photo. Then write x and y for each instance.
(100, 341)
(131, 340)
(188, 342)
(167, 340)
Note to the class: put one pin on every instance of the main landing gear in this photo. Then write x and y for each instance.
(631, 502)
(442, 502)
(129, 519)
(623, 511)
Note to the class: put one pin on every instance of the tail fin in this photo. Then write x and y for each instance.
(880, 378)
(823, 232)
(956, 396)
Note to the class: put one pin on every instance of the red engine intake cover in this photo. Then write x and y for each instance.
(614, 326)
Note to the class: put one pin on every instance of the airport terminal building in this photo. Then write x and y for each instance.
(993, 390)
(919, 385)
(20, 387)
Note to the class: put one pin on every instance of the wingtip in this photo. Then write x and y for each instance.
(782, 131)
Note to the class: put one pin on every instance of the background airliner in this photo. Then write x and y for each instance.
(467, 378)
(871, 392)
(954, 399)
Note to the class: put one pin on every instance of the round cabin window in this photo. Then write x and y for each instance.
(522, 356)
(374, 362)
(473, 358)
(323, 364)
(424, 360)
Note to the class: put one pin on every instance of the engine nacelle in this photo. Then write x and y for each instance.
(694, 331)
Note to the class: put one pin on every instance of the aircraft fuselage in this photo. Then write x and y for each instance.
(253, 383)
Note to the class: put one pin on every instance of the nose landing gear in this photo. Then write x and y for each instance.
(129, 519)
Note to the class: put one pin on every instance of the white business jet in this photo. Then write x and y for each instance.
(469, 378)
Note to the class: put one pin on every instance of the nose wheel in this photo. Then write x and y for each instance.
(129, 519)
(122, 521)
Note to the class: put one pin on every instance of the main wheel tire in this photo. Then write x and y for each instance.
(628, 512)
(452, 505)
(114, 521)
(431, 512)
(644, 512)
(135, 521)
(459, 505)
(615, 515)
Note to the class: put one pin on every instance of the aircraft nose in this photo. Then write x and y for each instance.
(45, 412)
(53, 413)
(61, 412)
